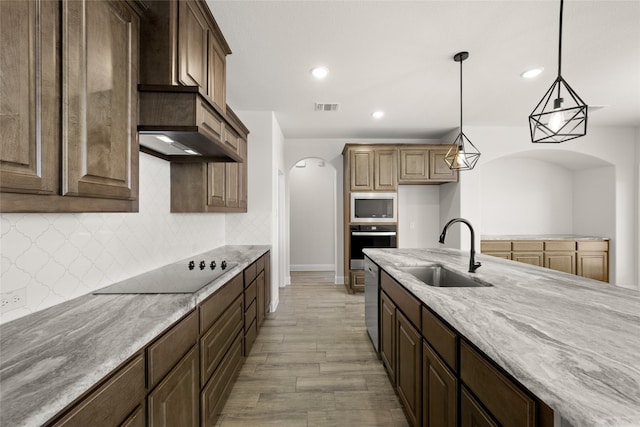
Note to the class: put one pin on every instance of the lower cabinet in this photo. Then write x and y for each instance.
(116, 401)
(356, 280)
(471, 412)
(409, 368)
(174, 402)
(439, 391)
(183, 377)
(441, 379)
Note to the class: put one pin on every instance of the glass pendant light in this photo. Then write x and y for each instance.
(556, 119)
(462, 155)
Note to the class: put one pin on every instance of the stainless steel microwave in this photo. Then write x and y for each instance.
(374, 207)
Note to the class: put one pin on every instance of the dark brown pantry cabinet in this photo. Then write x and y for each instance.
(68, 106)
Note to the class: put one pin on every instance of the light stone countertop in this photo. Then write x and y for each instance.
(573, 342)
(540, 237)
(49, 358)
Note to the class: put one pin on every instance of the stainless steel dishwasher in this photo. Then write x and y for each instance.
(371, 300)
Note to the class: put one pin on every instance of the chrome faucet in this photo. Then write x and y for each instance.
(473, 265)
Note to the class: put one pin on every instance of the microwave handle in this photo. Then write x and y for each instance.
(373, 233)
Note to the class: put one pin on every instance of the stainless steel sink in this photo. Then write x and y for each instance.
(436, 275)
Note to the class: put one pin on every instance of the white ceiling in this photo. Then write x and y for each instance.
(397, 56)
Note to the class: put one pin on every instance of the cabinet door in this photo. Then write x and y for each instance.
(112, 402)
(99, 99)
(357, 280)
(438, 169)
(216, 90)
(216, 184)
(414, 166)
(385, 170)
(561, 261)
(439, 391)
(175, 401)
(231, 187)
(192, 45)
(533, 258)
(260, 298)
(471, 412)
(361, 164)
(29, 97)
(594, 265)
(409, 368)
(388, 335)
(242, 175)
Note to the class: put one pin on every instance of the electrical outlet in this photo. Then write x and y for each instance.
(13, 299)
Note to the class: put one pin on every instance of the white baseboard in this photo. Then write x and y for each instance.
(274, 305)
(339, 280)
(287, 280)
(312, 267)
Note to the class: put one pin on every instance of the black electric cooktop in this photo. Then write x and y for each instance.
(180, 278)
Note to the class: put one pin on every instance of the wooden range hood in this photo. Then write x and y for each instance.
(176, 123)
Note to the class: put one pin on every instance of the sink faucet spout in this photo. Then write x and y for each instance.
(473, 265)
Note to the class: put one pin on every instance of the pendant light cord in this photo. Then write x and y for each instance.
(461, 61)
(560, 46)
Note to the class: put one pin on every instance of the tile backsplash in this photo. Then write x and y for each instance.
(51, 258)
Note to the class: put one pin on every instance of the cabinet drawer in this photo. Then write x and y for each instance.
(559, 245)
(260, 265)
(527, 246)
(250, 274)
(113, 401)
(208, 122)
(250, 337)
(167, 350)
(440, 337)
(216, 304)
(403, 300)
(495, 246)
(501, 396)
(215, 343)
(214, 394)
(593, 246)
(250, 294)
(137, 419)
(250, 315)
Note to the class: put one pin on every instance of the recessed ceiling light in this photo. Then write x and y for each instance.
(377, 114)
(534, 72)
(320, 72)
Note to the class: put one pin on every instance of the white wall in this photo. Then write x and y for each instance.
(418, 216)
(51, 258)
(312, 216)
(260, 225)
(526, 196)
(614, 146)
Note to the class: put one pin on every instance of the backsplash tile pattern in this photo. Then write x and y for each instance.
(56, 257)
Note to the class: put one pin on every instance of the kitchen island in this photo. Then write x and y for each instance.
(570, 341)
(52, 357)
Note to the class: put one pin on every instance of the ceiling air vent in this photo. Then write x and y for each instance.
(320, 106)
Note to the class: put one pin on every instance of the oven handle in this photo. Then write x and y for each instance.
(373, 233)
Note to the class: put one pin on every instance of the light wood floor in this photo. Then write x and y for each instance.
(313, 365)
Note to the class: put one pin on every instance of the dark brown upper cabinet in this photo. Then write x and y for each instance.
(68, 106)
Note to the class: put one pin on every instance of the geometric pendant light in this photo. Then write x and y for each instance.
(462, 154)
(561, 115)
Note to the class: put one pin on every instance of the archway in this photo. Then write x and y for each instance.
(312, 217)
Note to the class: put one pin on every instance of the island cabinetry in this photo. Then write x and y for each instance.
(424, 164)
(440, 362)
(69, 106)
(118, 399)
(401, 343)
(256, 299)
(471, 412)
